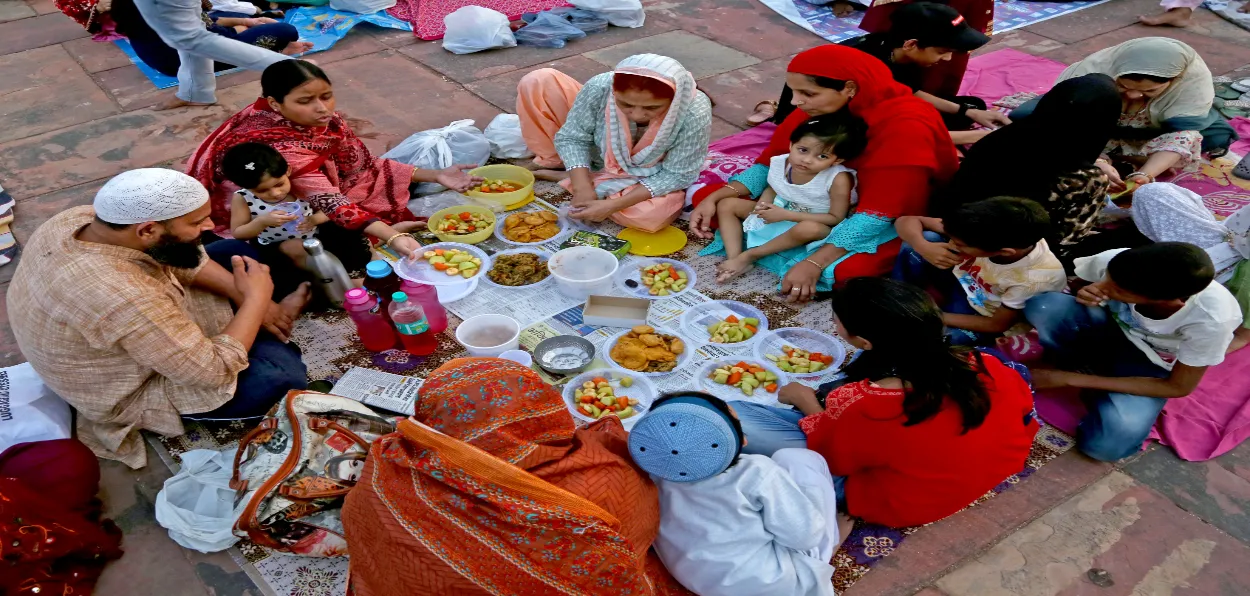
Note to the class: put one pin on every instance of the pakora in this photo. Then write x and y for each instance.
(531, 226)
(644, 350)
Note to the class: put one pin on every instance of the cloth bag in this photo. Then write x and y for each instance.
(196, 505)
(476, 28)
(457, 143)
(29, 410)
(362, 6)
(548, 30)
(504, 135)
(294, 469)
(621, 13)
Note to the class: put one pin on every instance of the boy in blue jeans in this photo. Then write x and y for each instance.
(1144, 330)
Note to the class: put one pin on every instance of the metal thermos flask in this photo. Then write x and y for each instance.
(328, 272)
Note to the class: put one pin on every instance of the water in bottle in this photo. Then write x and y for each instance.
(427, 296)
(328, 273)
(374, 329)
(381, 282)
(414, 330)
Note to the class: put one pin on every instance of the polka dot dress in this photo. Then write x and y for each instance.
(277, 234)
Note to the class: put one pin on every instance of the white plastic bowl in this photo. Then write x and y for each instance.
(581, 271)
(634, 272)
(642, 390)
(731, 393)
(695, 322)
(465, 334)
(542, 256)
(803, 339)
(683, 359)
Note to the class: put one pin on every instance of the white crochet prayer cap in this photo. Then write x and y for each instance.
(148, 194)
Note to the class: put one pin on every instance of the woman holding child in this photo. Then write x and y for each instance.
(908, 153)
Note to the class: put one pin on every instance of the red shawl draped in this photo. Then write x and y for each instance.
(330, 168)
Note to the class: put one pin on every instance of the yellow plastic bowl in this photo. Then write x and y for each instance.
(507, 173)
(473, 238)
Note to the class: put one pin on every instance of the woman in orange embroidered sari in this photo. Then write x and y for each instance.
(490, 489)
(330, 167)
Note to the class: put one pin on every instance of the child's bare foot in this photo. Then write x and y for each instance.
(764, 111)
(174, 103)
(295, 302)
(551, 175)
(731, 268)
(1176, 17)
(297, 47)
(1241, 337)
(404, 227)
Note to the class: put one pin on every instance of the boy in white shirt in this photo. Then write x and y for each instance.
(997, 251)
(1144, 330)
(733, 524)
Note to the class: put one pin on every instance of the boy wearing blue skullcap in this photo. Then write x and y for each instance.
(734, 524)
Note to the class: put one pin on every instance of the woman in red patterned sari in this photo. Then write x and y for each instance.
(490, 489)
(330, 167)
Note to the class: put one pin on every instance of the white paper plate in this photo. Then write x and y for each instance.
(448, 294)
(421, 271)
(731, 393)
(634, 273)
(697, 318)
(542, 256)
(683, 359)
(804, 339)
(642, 390)
(563, 223)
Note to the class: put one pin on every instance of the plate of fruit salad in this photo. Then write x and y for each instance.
(726, 323)
(749, 380)
(443, 264)
(801, 352)
(595, 394)
(656, 279)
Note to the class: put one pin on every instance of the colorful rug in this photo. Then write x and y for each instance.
(426, 16)
(1008, 15)
(321, 25)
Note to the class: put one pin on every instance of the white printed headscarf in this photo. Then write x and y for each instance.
(646, 162)
(1165, 212)
(148, 194)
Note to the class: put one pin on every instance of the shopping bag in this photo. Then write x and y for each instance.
(455, 144)
(476, 28)
(504, 135)
(621, 13)
(29, 410)
(197, 506)
(548, 30)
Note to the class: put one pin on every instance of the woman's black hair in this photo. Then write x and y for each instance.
(1134, 76)
(909, 342)
(842, 133)
(784, 105)
(281, 78)
(717, 403)
(246, 164)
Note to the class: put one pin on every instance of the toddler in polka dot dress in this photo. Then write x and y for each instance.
(263, 212)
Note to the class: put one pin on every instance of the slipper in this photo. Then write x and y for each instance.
(1227, 90)
(762, 116)
(1242, 85)
(1242, 170)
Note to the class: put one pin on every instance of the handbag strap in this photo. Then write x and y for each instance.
(265, 426)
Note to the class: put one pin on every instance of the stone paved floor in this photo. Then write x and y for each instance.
(76, 112)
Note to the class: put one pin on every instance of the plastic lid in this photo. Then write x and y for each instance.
(399, 297)
(378, 269)
(357, 295)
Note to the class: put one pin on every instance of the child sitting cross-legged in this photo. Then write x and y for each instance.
(1144, 330)
(734, 524)
(809, 191)
(263, 211)
(997, 257)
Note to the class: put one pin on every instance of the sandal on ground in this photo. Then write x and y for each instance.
(764, 111)
(1243, 168)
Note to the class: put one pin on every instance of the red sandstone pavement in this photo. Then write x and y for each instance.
(76, 112)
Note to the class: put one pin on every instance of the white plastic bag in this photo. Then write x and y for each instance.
(29, 411)
(455, 144)
(504, 134)
(361, 6)
(476, 28)
(197, 506)
(621, 13)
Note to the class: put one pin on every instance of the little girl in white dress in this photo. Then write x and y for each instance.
(809, 191)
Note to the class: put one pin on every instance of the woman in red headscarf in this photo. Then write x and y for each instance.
(909, 153)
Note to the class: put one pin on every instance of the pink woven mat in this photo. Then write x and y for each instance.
(426, 16)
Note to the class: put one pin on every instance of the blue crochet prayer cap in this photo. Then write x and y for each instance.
(685, 439)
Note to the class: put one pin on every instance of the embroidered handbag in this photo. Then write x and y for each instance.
(293, 470)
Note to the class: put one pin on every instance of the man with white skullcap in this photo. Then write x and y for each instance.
(735, 524)
(118, 310)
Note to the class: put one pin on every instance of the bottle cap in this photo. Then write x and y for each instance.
(357, 295)
(378, 269)
(399, 297)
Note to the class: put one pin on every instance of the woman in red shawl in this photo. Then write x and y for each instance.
(909, 154)
(330, 167)
(490, 489)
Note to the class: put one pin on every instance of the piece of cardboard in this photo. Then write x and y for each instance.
(614, 311)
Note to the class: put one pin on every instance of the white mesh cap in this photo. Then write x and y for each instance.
(148, 194)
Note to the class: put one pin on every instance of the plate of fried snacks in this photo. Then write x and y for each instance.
(519, 267)
(535, 226)
(647, 351)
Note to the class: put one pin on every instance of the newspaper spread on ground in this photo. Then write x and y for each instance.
(378, 389)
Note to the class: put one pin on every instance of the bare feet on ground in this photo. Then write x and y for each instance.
(842, 8)
(295, 302)
(731, 268)
(551, 175)
(764, 111)
(1176, 17)
(297, 47)
(174, 103)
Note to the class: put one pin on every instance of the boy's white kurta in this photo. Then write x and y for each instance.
(747, 531)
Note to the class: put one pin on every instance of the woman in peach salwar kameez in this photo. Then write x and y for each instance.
(642, 129)
(490, 489)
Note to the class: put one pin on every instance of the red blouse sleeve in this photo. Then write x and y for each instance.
(892, 192)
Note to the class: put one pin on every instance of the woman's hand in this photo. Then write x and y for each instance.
(988, 118)
(1117, 184)
(456, 177)
(584, 197)
(261, 21)
(799, 284)
(771, 213)
(939, 254)
(701, 219)
(802, 397)
(406, 246)
(596, 212)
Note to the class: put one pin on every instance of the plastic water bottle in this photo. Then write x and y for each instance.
(328, 272)
(414, 330)
(427, 296)
(372, 327)
(381, 282)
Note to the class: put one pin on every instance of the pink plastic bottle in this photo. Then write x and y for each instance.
(414, 330)
(427, 297)
(372, 327)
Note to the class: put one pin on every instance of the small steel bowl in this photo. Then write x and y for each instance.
(564, 354)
